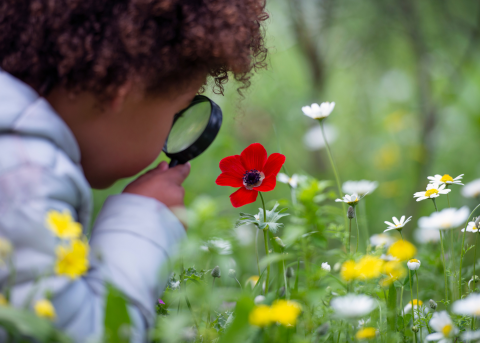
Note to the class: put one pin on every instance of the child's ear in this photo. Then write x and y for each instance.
(117, 102)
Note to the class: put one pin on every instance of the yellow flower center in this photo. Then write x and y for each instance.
(474, 229)
(414, 260)
(431, 192)
(447, 329)
(446, 178)
(366, 333)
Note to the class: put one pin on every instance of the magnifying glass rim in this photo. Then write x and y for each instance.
(202, 142)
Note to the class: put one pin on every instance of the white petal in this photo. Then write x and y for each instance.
(395, 220)
(402, 220)
(434, 336)
(283, 177)
(389, 224)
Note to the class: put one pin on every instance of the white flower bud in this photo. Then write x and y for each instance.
(326, 266)
(413, 264)
(259, 299)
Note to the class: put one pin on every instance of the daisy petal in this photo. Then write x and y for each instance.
(395, 220)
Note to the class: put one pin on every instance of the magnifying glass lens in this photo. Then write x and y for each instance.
(188, 127)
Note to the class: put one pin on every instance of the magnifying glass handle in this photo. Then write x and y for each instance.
(172, 163)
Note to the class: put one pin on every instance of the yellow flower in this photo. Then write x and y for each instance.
(252, 281)
(285, 312)
(3, 300)
(72, 261)
(402, 250)
(395, 270)
(366, 333)
(261, 316)
(44, 308)
(369, 267)
(63, 225)
(348, 271)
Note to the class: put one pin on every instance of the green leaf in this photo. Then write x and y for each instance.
(392, 308)
(272, 258)
(116, 316)
(237, 332)
(25, 323)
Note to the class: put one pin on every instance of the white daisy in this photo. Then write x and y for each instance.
(313, 138)
(353, 305)
(399, 224)
(448, 218)
(361, 187)
(352, 200)
(470, 306)
(445, 179)
(471, 189)
(423, 235)
(217, 245)
(413, 264)
(471, 227)
(319, 111)
(444, 327)
(381, 239)
(471, 335)
(416, 303)
(293, 181)
(326, 266)
(433, 191)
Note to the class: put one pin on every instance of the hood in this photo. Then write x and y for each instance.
(24, 112)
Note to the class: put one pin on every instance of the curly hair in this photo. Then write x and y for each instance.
(97, 45)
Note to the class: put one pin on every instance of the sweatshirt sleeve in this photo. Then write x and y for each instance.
(131, 242)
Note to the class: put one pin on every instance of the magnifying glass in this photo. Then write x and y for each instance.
(193, 130)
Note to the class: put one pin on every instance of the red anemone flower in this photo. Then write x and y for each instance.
(251, 171)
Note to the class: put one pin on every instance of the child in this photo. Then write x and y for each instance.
(88, 92)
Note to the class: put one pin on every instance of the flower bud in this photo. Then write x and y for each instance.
(232, 273)
(351, 213)
(415, 328)
(323, 329)
(477, 222)
(413, 264)
(289, 272)
(216, 272)
(326, 266)
(280, 242)
(433, 304)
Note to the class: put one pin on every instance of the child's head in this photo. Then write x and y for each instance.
(118, 71)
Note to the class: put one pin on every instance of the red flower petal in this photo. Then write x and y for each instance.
(243, 197)
(274, 164)
(254, 157)
(229, 179)
(233, 164)
(268, 184)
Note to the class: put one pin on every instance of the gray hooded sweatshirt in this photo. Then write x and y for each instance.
(131, 240)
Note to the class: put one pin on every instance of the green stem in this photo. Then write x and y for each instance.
(358, 230)
(365, 220)
(462, 254)
(349, 236)
(403, 311)
(411, 295)
(401, 234)
(265, 237)
(285, 280)
(256, 252)
(474, 279)
(443, 257)
(329, 153)
(452, 259)
(418, 305)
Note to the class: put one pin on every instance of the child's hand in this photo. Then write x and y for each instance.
(162, 183)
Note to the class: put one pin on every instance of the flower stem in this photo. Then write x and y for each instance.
(287, 296)
(462, 253)
(474, 279)
(265, 237)
(329, 153)
(452, 260)
(444, 266)
(443, 257)
(256, 253)
(411, 296)
(403, 311)
(358, 230)
(418, 304)
(349, 236)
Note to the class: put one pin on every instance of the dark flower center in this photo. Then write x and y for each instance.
(251, 177)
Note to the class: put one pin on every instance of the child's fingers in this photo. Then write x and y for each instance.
(179, 173)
